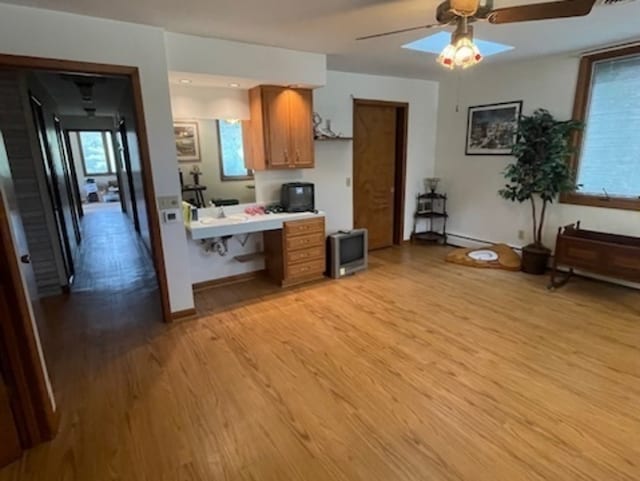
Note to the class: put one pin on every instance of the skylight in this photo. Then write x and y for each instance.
(437, 42)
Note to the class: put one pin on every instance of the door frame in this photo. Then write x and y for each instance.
(20, 62)
(402, 136)
(37, 417)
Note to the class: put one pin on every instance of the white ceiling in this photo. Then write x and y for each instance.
(107, 93)
(330, 26)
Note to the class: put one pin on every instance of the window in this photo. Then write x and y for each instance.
(608, 101)
(231, 151)
(96, 148)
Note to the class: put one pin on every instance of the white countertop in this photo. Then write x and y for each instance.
(208, 226)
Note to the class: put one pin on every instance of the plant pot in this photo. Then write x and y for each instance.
(535, 259)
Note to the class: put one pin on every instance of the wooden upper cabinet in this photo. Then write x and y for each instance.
(301, 129)
(280, 132)
(276, 114)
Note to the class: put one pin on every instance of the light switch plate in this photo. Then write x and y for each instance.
(170, 216)
(168, 202)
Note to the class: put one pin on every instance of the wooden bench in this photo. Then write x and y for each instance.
(610, 255)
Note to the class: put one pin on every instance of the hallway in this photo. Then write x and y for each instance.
(113, 308)
(111, 256)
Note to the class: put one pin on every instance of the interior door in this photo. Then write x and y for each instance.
(53, 187)
(70, 179)
(10, 447)
(74, 175)
(277, 130)
(128, 172)
(301, 127)
(27, 411)
(374, 159)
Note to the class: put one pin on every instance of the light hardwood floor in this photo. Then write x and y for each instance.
(414, 370)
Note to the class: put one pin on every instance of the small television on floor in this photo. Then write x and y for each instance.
(346, 252)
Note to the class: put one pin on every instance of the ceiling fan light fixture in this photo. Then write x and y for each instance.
(466, 53)
(447, 57)
(461, 52)
(464, 8)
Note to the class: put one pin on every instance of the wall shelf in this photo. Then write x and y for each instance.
(329, 139)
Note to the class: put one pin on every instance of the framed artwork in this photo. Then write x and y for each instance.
(491, 129)
(187, 141)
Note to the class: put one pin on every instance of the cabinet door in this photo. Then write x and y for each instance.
(302, 144)
(276, 127)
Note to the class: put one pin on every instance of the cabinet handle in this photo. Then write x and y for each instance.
(286, 156)
(297, 155)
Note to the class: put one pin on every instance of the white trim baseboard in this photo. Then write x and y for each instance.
(459, 240)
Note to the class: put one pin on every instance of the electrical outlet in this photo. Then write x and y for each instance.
(348, 182)
(168, 202)
(258, 246)
(521, 234)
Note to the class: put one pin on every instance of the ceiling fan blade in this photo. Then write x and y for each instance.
(403, 30)
(484, 9)
(542, 11)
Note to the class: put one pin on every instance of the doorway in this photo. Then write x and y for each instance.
(22, 363)
(379, 169)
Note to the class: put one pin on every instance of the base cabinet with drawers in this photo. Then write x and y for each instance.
(296, 253)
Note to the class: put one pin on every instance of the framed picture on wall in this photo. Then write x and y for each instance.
(187, 141)
(491, 129)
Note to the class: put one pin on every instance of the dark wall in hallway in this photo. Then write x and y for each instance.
(26, 167)
(126, 112)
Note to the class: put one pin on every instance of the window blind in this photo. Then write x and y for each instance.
(610, 154)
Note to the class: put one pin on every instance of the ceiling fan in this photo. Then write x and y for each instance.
(463, 12)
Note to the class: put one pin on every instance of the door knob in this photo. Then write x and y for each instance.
(25, 259)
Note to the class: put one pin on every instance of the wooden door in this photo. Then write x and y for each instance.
(277, 132)
(128, 172)
(374, 159)
(74, 175)
(70, 179)
(301, 127)
(29, 407)
(10, 445)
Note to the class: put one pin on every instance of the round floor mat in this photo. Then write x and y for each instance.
(499, 256)
(484, 255)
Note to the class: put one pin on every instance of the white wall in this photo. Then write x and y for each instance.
(334, 160)
(472, 182)
(191, 102)
(188, 53)
(44, 33)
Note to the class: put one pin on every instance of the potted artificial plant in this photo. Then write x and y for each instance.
(540, 173)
